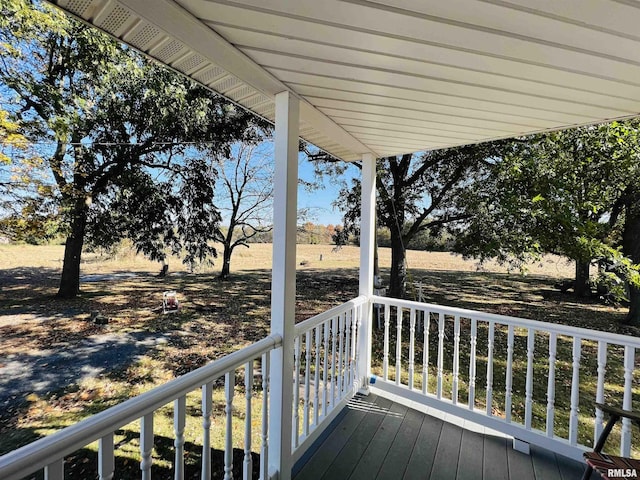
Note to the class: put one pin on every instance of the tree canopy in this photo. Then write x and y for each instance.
(107, 119)
(568, 192)
(418, 193)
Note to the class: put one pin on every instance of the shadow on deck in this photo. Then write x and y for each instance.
(377, 438)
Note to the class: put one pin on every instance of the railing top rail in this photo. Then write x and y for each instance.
(312, 322)
(583, 333)
(36, 455)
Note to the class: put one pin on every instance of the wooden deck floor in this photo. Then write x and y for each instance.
(376, 438)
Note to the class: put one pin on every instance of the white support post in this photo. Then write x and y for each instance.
(283, 283)
(367, 247)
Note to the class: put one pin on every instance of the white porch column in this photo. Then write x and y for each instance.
(367, 246)
(283, 283)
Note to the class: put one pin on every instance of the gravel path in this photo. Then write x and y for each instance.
(50, 370)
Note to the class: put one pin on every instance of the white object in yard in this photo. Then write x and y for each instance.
(382, 292)
(170, 302)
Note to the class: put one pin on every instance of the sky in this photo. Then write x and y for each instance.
(319, 202)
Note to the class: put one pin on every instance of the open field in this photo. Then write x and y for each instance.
(216, 317)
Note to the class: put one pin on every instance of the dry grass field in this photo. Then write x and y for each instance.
(216, 317)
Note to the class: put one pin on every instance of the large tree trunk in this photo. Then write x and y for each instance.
(70, 279)
(581, 286)
(398, 267)
(631, 248)
(633, 317)
(226, 261)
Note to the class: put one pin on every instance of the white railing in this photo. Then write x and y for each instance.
(48, 453)
(533, 380)
(325, 357)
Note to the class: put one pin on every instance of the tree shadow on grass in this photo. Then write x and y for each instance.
(26, 290)
(228, 314)
(83, 464)
(218, 317)
(45, 371)
(519, 296)
(30, 276)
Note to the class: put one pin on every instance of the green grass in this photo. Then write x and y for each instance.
(219, 317)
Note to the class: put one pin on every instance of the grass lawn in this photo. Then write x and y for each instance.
(217, 318)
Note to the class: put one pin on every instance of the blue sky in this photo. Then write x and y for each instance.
(319, 201)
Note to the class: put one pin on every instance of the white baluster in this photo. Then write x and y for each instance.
(229, 388)
(385, 357)
(247, 467)
(346, 380)
(341, 319)
(179, 415)
(333, 361)
(551, 385)
(425, 352)
(106, 459)
(625, 439)
(490, 368)
(602, 368)
(456, 359)
(307, 383)
(55, 470)
(509, 375)
(361, 382)
(412, 341)
(575, 393)
(354, 352)
(528, 404)
(316, 393)
(264, 450)
(398, 345)
(325, 370)
(440, 354)
(207, 395)
(472, 363)
(146, 445)
(296, 393)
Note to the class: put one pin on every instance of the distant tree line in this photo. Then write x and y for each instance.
(308, 233)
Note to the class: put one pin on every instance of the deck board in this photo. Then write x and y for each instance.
(395, 463)
(494, 465)
(471, 455)
(571, 470)
(347, 459)
(545, 464)
(377, 438)
(331, 447)
(371, 460)
(445, 464)
(520, 465)
(424, 451)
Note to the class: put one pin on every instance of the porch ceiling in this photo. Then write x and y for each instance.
(397, 76)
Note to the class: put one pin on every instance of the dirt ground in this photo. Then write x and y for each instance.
(140, 347)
